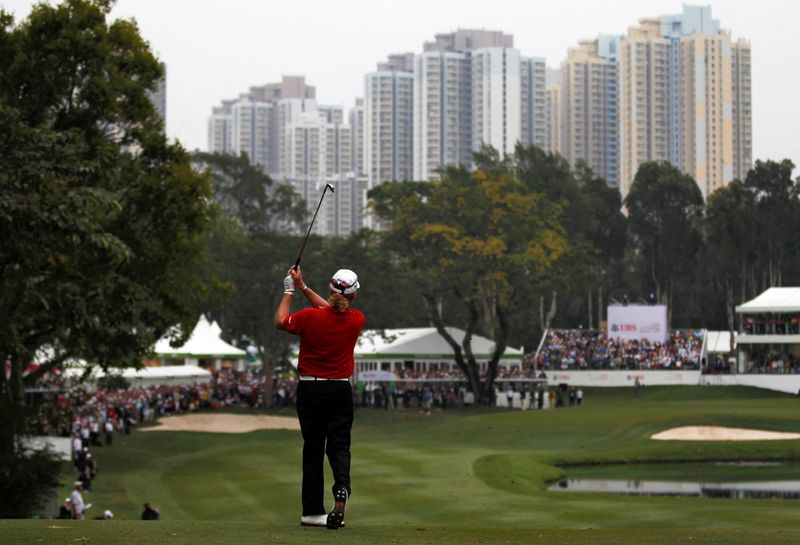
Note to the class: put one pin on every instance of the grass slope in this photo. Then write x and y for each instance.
(474, 476)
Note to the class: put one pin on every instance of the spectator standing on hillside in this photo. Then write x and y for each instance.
(76, 500)
(328, 335)
(108, 428)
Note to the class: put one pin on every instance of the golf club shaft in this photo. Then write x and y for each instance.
(313, 219)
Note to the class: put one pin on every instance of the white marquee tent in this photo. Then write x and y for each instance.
(205, 343)
(395, 349)
(777, 300)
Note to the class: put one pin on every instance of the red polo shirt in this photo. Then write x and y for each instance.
(327, 340)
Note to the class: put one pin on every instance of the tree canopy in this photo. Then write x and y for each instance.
(102, 220)
(474, 241)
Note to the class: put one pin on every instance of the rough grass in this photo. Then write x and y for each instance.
(474, 476)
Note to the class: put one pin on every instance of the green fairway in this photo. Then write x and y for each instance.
(472, 476)
(245, 533)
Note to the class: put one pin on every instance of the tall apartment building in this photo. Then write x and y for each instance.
(552, 124)
(388, 120)
(356, 121)
(686, 99)
(250, 130)
(298, 142)
(318, 152)
(444, 111)
(589, 104)
(645, 61)
(220, 126)
(741, 111)
(496, 99)
(534, 104)
(250, 123)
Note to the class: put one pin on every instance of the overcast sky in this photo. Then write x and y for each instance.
(215, 50)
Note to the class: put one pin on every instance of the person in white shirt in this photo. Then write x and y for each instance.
(76, 499)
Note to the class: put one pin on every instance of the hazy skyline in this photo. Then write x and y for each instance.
(216, 51)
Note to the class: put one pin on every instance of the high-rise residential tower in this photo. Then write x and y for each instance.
(589, 103)
(686, 99)
(356, 121)
(496, 99)
(534, 101)
(443, 99)
(388, 120)
(297, 142)
(252, 123)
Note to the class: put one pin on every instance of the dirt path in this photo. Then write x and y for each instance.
(719, 433)
(225, 423)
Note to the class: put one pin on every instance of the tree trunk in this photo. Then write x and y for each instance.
(599, 307)
(729, 309)
(668, 301)
(468, 368)
(501, 333)
(589, 312)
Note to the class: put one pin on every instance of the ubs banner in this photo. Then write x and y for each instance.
(638, 322)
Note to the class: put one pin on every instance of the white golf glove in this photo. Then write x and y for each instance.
(288, 285)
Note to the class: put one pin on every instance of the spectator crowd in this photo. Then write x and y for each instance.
(585, 349)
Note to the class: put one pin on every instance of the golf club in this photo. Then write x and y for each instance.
(303, 247)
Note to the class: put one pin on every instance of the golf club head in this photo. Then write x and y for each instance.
(329, 186)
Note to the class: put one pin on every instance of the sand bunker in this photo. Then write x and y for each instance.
(719, 433)
(225, 423)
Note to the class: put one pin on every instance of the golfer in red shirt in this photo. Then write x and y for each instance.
(328, 335)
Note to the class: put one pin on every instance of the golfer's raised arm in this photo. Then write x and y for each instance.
(317, 300)
(286, 302)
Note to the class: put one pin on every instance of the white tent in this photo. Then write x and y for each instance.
(775, 300)
(422, 343)
(204, 343)
(420, 349)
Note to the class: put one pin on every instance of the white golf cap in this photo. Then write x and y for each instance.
(108, 514)
(344, 281)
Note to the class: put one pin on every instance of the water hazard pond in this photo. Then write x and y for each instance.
(733, 480)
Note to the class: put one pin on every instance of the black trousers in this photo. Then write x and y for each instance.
(325, 411)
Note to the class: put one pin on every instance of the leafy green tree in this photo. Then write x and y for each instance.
(665, 211)
(595, 229)
(730, 238)
(474, 241)
(777, 220)
(605, 234)
(250, 197)
(102, 221)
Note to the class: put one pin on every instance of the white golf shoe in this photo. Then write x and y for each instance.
(314, 520)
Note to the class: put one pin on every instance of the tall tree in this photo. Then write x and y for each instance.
(665, 211)
(475, 240)
(102, 220)
(777, 220)
(595, 228)
(730, 239)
